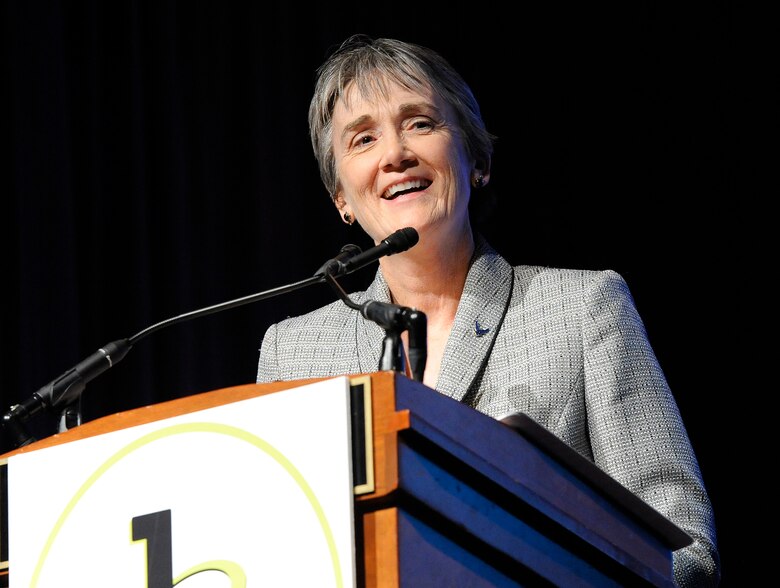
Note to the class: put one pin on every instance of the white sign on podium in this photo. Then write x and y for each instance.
(253, 493)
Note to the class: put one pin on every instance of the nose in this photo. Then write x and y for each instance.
(396, 153)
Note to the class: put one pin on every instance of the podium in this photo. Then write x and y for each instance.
(447, 496)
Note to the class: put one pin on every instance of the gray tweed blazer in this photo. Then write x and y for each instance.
(568, 348)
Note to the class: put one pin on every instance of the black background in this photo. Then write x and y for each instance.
(159, 162)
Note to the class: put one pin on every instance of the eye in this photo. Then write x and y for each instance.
(363, 139)
(422, 124)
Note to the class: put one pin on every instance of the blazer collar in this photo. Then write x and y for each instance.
(479, 317)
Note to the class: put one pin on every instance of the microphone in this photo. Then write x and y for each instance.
(333, 266)
(397, 242)
(67, 388)
(386, 315)
(417, 326)
(393, 318)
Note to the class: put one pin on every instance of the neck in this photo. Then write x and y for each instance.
(430, 276)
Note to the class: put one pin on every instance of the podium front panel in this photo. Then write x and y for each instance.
(257, 491)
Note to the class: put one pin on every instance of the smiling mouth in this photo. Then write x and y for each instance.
(405, 188)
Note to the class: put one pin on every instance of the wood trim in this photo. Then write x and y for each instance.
(387, 423)
(380, 541)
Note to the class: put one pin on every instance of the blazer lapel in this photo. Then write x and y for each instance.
(478, 319)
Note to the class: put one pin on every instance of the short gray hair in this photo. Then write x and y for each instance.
(370, 64)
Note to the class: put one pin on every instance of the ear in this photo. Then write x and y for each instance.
(338, 200)
(341, 206)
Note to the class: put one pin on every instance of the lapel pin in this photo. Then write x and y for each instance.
(479, 329)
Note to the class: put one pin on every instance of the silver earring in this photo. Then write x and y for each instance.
(479, 181)
(348, 218)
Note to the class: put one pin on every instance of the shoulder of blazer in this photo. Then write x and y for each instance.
(332, 311)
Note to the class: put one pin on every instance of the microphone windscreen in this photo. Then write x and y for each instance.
(402, 239)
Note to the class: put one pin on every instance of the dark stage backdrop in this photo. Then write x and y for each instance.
(159, 162)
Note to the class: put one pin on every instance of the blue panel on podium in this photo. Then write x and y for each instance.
(521, 501)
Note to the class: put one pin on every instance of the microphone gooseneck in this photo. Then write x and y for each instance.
(64, 391)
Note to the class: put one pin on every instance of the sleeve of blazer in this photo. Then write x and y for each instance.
(268, 366)
(636, 431)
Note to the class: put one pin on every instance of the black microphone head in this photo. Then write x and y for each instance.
(336, 266)
(349, 250)
(402, 239)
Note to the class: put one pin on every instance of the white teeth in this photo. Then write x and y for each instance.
(393, 190)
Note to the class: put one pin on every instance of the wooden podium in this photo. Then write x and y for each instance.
(446, 496)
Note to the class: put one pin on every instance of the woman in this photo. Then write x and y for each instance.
(401, 143)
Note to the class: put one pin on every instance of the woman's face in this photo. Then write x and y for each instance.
(401, 162)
